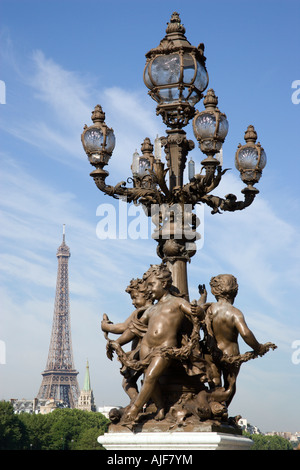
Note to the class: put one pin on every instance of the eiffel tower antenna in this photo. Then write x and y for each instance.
(60, 377)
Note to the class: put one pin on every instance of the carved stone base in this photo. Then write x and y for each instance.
(174, 441)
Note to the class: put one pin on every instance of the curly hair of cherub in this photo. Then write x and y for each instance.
(161, 272)
(224, 286)
(138, 285)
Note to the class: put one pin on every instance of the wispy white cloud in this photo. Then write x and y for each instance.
(55, 104)
(22, 269)
(256, 242)
(62, 102)
(276, 330)
(65, 92)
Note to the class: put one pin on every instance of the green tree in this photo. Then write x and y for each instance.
(262, 442)
(13, 433)
(38, 430)
(87, 440)
(65, 429)
(68, 426)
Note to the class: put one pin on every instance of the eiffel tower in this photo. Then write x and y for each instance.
(60, 377)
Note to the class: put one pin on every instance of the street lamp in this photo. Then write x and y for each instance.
(210, 126)
(176, 76)
(250, 159)
(98, 140)
(171, 355)
(142, 165)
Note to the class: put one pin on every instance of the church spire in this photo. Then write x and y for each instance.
(86, 400)
(87, 380)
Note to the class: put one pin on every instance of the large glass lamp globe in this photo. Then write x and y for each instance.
(210, 126)
(176, 75)
(98, 140)
(250, 159)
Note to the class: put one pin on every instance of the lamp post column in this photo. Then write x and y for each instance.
(176, 237)
(176, 149)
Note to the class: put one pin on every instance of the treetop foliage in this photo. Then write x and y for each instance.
(63, 429)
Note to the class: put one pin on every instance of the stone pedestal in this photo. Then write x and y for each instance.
(174, 441)
(159, 436)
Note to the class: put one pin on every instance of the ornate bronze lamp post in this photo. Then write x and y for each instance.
(188, 379)
(176, 75)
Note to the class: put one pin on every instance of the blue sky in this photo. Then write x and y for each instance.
(61, 58)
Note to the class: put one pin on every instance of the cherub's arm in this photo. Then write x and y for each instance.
(245, 332)
(129, 335)
(192, 309)
(118, 328)
(203, 294)
(126, 337)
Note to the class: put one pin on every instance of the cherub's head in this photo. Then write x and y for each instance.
(224, 286)
(158, 278)
(138, 292)
(161, 272)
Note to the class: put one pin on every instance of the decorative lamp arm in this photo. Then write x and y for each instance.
(159, 174)
(215, 181)
(230, 202)
(144, 196)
